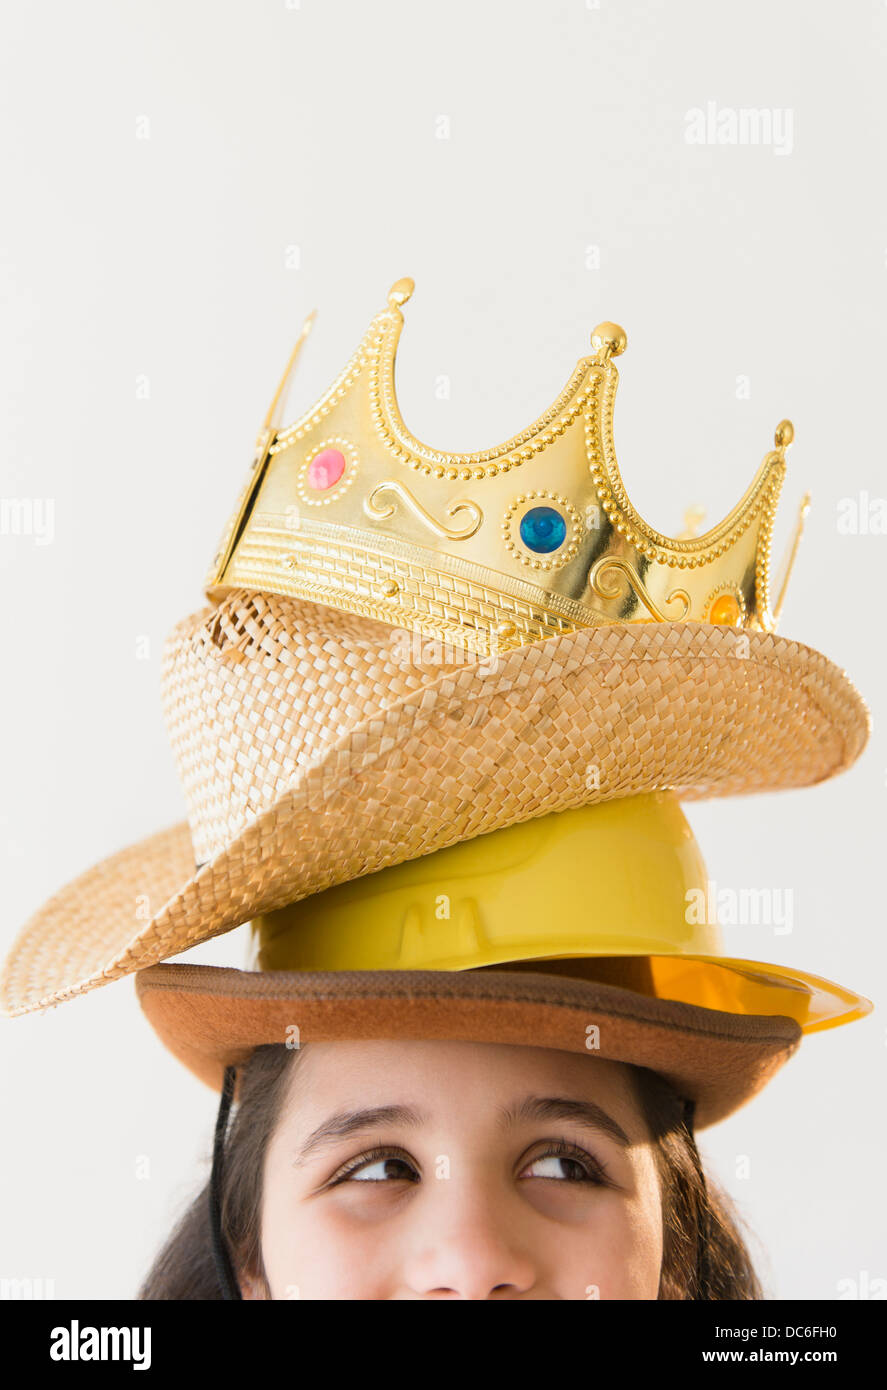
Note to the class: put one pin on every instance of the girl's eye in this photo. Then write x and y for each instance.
(565, 1164)
(383, 1169)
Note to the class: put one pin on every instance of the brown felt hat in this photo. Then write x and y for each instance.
(211, 1018)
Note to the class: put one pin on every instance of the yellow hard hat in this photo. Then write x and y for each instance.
(615, 892)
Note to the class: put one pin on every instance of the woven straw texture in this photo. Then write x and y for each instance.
(315, 746)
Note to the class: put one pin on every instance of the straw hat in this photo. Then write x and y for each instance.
(310, 755)
(588, 930)
(408, 649)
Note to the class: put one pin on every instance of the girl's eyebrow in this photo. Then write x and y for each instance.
(348, 1122)
(581, 1112)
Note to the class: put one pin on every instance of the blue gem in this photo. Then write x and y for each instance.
(542, 529)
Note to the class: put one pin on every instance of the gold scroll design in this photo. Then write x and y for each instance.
(611, 562)
(381, 511)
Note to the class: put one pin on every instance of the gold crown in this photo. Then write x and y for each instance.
(488, 550)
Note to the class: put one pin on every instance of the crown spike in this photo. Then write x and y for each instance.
(788, 560)
(401, 291)
(276, 408)
(784, 436)
(609, 340)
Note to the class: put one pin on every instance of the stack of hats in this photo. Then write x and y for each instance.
(434, 730)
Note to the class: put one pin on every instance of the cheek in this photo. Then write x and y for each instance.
(618, 1254)
(631, 1255)
(637, 1274)
(320, 1250)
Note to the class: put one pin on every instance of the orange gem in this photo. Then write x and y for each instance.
(725, 610)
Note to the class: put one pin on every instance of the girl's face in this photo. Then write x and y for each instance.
(407, 1170)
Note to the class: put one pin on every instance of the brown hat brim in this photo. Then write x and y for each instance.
(211, 1017)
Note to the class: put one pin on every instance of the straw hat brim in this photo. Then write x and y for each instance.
(211, 1017)
(589, 716)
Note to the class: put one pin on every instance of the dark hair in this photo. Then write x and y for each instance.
(703, 1252)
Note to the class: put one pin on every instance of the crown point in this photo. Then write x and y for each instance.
(785, 433)
(401, 291)
(609, 340)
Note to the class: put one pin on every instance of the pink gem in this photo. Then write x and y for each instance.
(325, 469)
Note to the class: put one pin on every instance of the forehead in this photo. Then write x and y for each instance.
(447, 1080)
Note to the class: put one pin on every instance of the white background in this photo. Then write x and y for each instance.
(275, 127)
